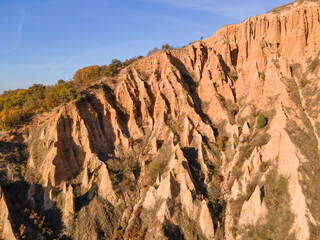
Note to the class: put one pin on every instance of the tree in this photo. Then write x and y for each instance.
(61, 81)
(112, 69)
(166, 47)
(154, 50)
(87, 75)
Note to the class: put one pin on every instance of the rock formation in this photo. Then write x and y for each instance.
(171, 148)
(6, 231)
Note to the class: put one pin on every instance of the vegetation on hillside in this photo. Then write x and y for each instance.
(17, 106)
(84, 77)
(163, 47)
(262, 121)
(277, 224)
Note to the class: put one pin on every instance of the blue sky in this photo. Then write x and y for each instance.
(42, 41)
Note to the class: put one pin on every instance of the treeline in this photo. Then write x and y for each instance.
(17, 106)
(163, 47)
(84, 77)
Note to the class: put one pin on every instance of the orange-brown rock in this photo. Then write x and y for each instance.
(6, 231)
(171, 148)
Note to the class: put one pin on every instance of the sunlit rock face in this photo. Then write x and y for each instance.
(216, 140)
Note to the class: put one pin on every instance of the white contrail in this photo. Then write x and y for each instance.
(18, 33)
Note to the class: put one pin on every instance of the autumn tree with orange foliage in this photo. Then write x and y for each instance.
(85, 76)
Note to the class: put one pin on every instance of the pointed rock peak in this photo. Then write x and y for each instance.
(85, 177)
(254, 208)
(49, 185)
(64, 187)
(70, 189)
(235, 190)
(69, 201)
(206, 222)
(246, 128)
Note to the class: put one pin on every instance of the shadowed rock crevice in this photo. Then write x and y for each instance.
(234, 56)
(13, 157)
(123, 117)
(70, 156)
(190, 86)
(204, 58)
(172, 231)
(191, 154)
(38, 223)
(151, 104)
(108, 137)
(224, 66)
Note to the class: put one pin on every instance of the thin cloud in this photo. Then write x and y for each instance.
(198, 33)
(19, 30)
(62, 64)
(229, 9)
(41, 66)
(97, 48)
(176, 20)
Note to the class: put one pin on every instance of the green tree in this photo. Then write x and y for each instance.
(112, 69)
(166, 47)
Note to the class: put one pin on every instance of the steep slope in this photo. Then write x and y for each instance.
(6, 231)
(219, 139)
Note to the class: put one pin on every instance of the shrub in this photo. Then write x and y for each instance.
(128, 62)
(135, 231)
(153, 50)
(262, 75)
(78, 100)
(163, 47)
(36, 221)
(156, 167)
(205, 105)
(221, 142)
(304, 82)
(245, 150)
(233, 75)
(279, 219)
(313, 65)
(296, 70)
(276, 63)
(262, 121)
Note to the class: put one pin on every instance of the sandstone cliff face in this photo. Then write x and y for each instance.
(6, 231)
(172, 147)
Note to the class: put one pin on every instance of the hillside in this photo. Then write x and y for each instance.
(216, 140)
